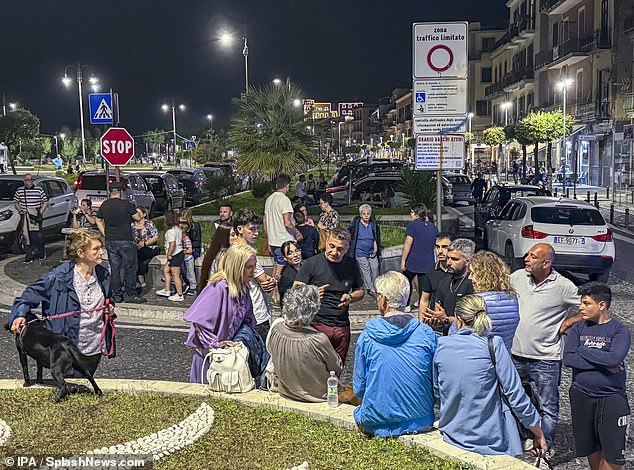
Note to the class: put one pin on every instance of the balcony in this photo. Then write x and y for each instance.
(628, 105)
(557, 7)
(566, 53)
(512, 80)
(492, 90)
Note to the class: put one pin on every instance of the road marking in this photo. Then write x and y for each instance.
(150, 327)
(622, 238)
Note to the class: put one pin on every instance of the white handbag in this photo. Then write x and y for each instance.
(229, 368)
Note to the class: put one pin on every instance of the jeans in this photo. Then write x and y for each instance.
(190, 272)
(369, 268)
(122, 253)
(546, 375)
(35, 249)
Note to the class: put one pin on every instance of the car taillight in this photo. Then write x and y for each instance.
(604, 237)
(77, 185)
(528, 232)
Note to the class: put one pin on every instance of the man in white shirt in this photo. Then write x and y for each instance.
(544, 298)
(278, 222)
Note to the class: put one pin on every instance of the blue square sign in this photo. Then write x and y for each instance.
(100, 105)
(420, 96)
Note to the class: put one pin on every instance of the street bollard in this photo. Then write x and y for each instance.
(588, 197)
(612, 214)
(596, 200)
(632, 196)
(607, 192)
(627, 218)
(555, 192)
(568, 193)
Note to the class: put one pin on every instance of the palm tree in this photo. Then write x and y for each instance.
(269, 131)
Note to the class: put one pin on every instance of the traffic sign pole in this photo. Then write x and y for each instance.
(439, 190)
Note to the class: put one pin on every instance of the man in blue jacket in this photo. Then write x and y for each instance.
(393, 365)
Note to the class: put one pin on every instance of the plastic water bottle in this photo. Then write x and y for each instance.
(333, 390)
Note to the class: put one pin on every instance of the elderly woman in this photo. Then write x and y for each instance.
(490, 277)
(365, 246)
(145, 237)
(469, 386)
(393, 365)
(77, 285)
(302, 356)
(328, 220)
(223, 312)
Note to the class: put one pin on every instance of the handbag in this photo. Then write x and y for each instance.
(529, 389)
(323, 236)
(228, 368)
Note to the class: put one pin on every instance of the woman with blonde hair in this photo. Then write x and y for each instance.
(474, 380)
(223, 312)
(490, 277)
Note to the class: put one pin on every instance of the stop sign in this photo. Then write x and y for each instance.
(117, 146)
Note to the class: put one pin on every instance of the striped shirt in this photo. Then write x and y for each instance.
(34, 197)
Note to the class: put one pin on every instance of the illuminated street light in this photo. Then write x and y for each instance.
(563, 86)
(211, 120)
(13, 106)
(277, 81)
(227, 39)
(165, 107)
(67, 81)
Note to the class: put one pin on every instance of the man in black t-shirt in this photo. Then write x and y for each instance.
(340, 284)
(113, 219)
(434, 275)
(453, 287)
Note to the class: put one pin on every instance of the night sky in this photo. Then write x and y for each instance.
(149, 51)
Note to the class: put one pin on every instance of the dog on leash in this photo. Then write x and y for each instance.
(55, 352)
(346, 395)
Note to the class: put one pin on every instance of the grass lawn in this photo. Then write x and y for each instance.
(241, 437)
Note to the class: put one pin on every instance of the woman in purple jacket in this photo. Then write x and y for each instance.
(223, 312)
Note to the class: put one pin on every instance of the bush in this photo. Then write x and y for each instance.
(418, 187)
(262, 189)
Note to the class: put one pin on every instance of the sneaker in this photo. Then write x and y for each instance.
(163, 293)
(27, 261)
(185, 289)
(176, 298)
(407, 309)
(192, 292)
(135, 299)
(527, 445)
(42, 259)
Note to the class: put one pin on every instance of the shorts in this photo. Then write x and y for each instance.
(600, 424)
(278, 256)
(177, 260)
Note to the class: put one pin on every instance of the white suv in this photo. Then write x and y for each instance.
(582, 240)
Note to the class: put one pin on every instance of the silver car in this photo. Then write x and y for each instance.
(60, 202)
(92, 185)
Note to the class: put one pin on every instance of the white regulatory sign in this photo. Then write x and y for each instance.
(430, 124)
(442, 96)
(440, 50)
(428, 152)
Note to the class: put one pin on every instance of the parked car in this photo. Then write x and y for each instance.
(168, 193)
(92, 185)
(461, 187)
(58, 215)
(194, 182)
(496, 198)
(374, 187)
(228, 167)
(582, 240)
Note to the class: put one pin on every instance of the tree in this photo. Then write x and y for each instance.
(494, 137)
(520, 133)
(269, 131)
(418, 187)
(71, 147)
(18, 126)
(154, 138)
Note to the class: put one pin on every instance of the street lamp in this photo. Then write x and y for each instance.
(471, 157)
(67, 81)
(227, 39)
(505, 106)
(166, 108)
(277, 81)
(563, 85)
(211, 120)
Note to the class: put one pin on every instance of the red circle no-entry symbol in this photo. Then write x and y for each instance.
(437, 68)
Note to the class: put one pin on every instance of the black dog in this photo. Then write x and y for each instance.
(55, 352)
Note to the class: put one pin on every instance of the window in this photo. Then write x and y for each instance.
(482, 108)
(485, 74)
(579, 86)
(566, 216)
(488, 44)
(581, 22)
(555, 34)
(53, 188)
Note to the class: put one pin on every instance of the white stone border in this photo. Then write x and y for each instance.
(5, 432)
(166, 441)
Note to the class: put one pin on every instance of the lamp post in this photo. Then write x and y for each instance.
(211, 120)
(67, 81)
(166, 108)
(505, 106)
(470, 116)
(563, 84)
(228, 39)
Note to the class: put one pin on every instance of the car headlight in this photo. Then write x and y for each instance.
(6, 214)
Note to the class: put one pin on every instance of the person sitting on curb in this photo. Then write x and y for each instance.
(302, 356)
(393, 365)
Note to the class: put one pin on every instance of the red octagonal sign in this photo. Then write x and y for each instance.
(117, 146)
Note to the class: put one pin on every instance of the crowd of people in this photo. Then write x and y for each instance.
(481, 353)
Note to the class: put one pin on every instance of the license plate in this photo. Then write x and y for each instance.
(572, 241)
(97, 198)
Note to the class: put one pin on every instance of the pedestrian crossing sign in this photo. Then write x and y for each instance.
(100, 105)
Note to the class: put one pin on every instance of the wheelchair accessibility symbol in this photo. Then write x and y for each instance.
(420, 97)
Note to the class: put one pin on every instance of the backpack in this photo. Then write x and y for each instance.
(229, 368)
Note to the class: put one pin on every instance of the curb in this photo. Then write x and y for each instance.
(342, 416)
